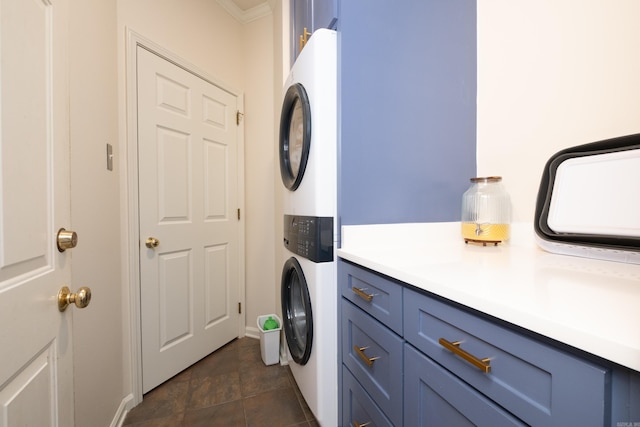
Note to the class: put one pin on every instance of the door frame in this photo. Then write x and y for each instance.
(132, 261)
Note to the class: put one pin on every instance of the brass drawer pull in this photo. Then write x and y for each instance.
(366, 359)
(360, 292)
(357, 424)
(304, 38)
(483, 364)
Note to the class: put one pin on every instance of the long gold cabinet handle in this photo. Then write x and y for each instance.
(366, 359)
(357, 424)
(304, 38)
(483, 364)
(362, 294)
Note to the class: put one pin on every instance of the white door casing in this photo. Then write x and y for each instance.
(188, 201)
(35, 337)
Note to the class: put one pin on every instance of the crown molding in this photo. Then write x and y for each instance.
(246, 16)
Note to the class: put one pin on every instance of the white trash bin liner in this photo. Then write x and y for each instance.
(269, 340)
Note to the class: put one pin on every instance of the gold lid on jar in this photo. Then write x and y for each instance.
(486, 179)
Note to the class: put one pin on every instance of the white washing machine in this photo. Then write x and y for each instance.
(308, 153)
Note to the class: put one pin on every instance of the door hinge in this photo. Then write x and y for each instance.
(238, 213)
(239, 308)
(239, 116)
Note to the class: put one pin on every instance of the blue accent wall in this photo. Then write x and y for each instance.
(407, 109)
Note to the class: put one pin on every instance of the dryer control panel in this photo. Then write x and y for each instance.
(309, 236)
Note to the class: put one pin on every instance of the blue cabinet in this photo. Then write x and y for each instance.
(445, 364)
(306, 17)
(325, 14)
(407, 109)
(537, 383)
(380, 299)
(373, 354)
(358, 408)
(435, 397)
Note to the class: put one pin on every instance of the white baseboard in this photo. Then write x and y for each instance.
(125, 406)
(252, 332)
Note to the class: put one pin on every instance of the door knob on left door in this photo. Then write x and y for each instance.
(152, 242)
(81, 299)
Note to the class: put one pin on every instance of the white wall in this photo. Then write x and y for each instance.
(280, 73)
(551, 75)
(199, 31)
(260, 166)
(95, 212)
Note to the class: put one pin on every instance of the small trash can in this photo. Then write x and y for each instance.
(269, 339)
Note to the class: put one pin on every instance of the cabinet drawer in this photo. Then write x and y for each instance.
(379, 296)
(435, 397)
(373, 354)
(539, 384)
(357, 407)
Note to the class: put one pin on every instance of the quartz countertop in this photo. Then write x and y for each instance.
(589, 304)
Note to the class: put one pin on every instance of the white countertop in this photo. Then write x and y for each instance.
(589, 304)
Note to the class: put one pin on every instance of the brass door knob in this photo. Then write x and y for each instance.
(152, 242)
(66, 239)
(81, 299)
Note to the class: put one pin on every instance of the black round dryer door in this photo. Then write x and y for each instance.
(296, 310)
(295, 136)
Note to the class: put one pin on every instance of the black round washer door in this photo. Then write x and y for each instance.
(295, 136)
(296, 310)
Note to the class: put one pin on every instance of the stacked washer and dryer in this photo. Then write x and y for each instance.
(308, 166)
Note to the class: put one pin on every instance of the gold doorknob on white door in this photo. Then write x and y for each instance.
(66, 239)
(81, 299)
(152, 242)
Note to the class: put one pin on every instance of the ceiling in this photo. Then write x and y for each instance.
(247, 10)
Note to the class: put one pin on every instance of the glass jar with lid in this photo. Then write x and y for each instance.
(486, 211)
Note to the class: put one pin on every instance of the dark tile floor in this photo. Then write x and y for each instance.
(231, 387)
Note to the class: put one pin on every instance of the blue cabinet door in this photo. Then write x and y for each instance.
(378, 296)
(407, 108)
(539, 384)
(373, 354)
(308, 16)
(325, 14)
(301, 20)
(435, 397)
(358, 408)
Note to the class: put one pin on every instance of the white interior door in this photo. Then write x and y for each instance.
(188, 199)
(36, 357)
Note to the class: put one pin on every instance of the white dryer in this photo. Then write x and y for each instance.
(308, 132)
(308, 166)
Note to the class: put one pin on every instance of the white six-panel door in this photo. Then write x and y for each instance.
(188, 199)
(36, 357)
